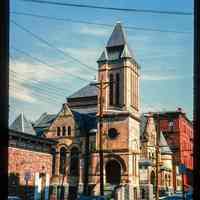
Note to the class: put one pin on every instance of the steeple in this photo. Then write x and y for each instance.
(118, 65)
(117, 46)
(118, 36)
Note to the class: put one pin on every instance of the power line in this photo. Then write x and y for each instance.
(39, 82)
(98, 24)
(45, 97)
(47, 85)
(51, 45)
(48, 91)
(45, 63)
(165, 12)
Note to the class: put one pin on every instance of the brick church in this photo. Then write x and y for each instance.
(75, 129)
(57, 156)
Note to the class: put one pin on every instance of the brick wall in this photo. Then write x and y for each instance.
(22, 161)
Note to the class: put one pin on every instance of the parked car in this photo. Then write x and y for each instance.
(14, 198)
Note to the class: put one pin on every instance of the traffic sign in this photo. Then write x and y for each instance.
(182, 168)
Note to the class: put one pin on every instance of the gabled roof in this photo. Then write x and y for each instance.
(126, 53)
(118, 36)
(117, 46)
(21, 124)
(87, 91)
(164, 147)
(103, 57)
(45, 120)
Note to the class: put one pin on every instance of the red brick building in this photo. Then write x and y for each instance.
(29, 163)
(178, 131)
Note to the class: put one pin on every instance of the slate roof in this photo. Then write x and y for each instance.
(117, 46)
(84, 121)
(164, 147)
(118, 36)
(21, 124)
(87, 91)
(45, 120)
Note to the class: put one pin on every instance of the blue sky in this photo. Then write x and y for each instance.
(166, 59)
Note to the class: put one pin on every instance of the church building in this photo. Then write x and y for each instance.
(110, 107)
(76, 128)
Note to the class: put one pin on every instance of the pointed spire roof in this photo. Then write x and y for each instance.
(126, 53)
(118, 36)
(21, 124)
(103, 56)
(164, 147)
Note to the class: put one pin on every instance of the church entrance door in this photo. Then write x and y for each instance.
(113, 172)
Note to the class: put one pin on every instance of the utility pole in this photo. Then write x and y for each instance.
(100, 138)
(101, 85)
(157, 154)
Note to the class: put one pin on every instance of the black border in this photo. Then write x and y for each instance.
(4, 74)
(4, 96)
(196, 114)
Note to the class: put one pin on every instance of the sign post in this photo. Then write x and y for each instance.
(182, 170)
(27, 177)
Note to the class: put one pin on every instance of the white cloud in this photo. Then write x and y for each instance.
(22, 73)
(94, 31)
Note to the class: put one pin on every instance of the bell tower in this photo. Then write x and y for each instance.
(118, 130)
(118, 66)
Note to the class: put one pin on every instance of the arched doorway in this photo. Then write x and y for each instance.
(113, 172)
(153, 181)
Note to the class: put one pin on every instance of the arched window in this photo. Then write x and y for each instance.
(74, 162)
(58, 131)
(69, 130)
(166, 181)
(117, 90)
(153, 181)
(63, 153)
(63, 131)
(169, 180)
(53, 152)
(111, 90)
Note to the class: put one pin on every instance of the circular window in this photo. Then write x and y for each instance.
(112, 133)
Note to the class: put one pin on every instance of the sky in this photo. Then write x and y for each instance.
(166, 58)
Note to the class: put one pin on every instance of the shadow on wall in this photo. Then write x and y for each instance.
(15, 189)
(23, 191)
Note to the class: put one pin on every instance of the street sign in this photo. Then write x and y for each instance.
(182, 168)
(27, 176)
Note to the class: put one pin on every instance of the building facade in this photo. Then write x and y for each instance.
(29, 163)
(76, 128)
(178, 131)
(148, 136)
